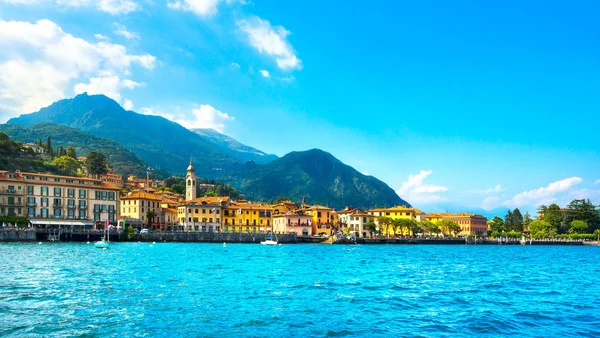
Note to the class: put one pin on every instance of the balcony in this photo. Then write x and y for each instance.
(31, 204)
(82, 206)
(57, 206)
(11, 192)
(69, 206)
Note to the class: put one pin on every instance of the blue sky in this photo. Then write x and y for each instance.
(458, 104)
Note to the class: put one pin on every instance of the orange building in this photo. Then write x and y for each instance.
(470, 224)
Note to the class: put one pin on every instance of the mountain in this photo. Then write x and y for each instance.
(122, 160)
(154, 139)
(234, 148)
(315, 175)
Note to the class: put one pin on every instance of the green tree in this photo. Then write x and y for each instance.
(66, 165)
(578, 227)
(385, 224)
(282, 199)
(61, 151)
(71, 152)
(526, 220)
(449, 227)
(583, 210)
(96, 163)
(430, 227)
(517, 221)
(371, 227)
(497, 224)
(49, 146)
(541, 229)
(597, 233)
(150, 216)
(541, 211)
(554, 216)
(508, 220)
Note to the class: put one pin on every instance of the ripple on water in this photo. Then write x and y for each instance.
(297, 290)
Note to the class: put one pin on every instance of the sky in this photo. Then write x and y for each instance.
(478, 106)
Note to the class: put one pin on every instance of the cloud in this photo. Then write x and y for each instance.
(122, 31)
(490, 202)
(264, 73)
(235, 65)
(202, 8)
(270, 40)
(497, 189)
(593, 195)
(101, 37)
(597, 181)
(41, 63)
(415, 191)
(128, 105)
(114, 7)
(108, 84)
(203, 116)
(544, 194)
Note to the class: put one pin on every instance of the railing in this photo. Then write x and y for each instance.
(31, 204)
(69, 206)
(57, 206)
(82, 206)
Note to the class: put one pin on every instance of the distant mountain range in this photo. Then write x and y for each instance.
(314, 174)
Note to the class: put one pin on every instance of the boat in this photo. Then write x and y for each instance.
(270, 239)
(105, 241)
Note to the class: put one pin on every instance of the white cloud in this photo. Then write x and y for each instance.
(114, 7)
(490, 202)
(270, 40)
(235, 65)
(597, 181)
(40, 63)
(497, 189)
(122, 31)
(544, 194)
(203, 8)
(108, 84)
(127, 104)
(593, 195)
(203, 116)
(101, 37)
(416, 192)
(264, 73)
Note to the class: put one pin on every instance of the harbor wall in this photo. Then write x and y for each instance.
(210, 237)
(17, 236)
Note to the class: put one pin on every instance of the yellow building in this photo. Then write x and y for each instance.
(137, 205)
(470, 224)
(395, 213)
(244, 216)
(202, 214)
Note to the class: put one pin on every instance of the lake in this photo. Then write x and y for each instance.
(182, 290)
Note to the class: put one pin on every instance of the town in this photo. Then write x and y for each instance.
(49, 201)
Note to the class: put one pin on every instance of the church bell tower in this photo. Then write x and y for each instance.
(190, 182)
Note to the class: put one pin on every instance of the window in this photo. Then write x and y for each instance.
(57, 202)
(71, 203)
(103, 207)
(71, 193)
(56, 179)
(81, 193)
(30, 201)
(70, 213)
(57, 213)
(111, 218)
(30, 190)
(81, 214)
(204, 211)
(44, 201)
(45, 213)
(111, 208)
(81, 204)
(44, 191)
(57, 192)
(104, 195)
(111, 196)
(97, 217)
(31, 212)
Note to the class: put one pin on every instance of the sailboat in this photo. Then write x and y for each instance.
(270, 239)
(103, 243)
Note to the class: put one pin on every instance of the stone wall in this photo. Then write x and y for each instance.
(210, 237)
(17, 236)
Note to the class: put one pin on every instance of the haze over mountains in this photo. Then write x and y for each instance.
(316, 175)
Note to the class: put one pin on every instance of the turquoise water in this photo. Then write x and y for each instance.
(169, 290)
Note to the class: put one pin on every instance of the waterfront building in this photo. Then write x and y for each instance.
(244, 216)
(395, 213)
(202, 214)
(297, 221)
(140, 205)
(355, 220)
(284, 206)
(470, 224)
(114, 179)
(53, 200)
(323, 218)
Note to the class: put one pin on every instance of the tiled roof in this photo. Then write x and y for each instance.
(141, 196)
(20, 178)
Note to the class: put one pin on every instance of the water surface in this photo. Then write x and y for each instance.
(171, 290)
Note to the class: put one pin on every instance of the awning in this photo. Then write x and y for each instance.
(60, 222)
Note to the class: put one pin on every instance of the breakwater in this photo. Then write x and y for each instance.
(210, 237)
(17, 236)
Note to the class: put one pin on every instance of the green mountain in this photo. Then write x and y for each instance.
(122, 160)
(315, 175)
(234, 148)
(14, 157)
(154, 139)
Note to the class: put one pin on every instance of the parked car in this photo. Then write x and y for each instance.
(145, 231)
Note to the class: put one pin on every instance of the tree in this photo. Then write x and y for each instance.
(497, 224)
(150, 216)
(449, 227)
(541, 229)
(517, 221)
(61, 151)
(71, 152)
(541, 211)
(385, 223)
(554, 216)
(578, 227)
(370, 226)
(597, 233)
(67, 165)
(508, 220)
(96, 163)
(430, 227)
(282, 199)
(49, 145)
(583, 210)
(526, 220)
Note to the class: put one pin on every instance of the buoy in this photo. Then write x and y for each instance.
(40, 243)
(88, 242)
(153, 242)
(224, 244)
